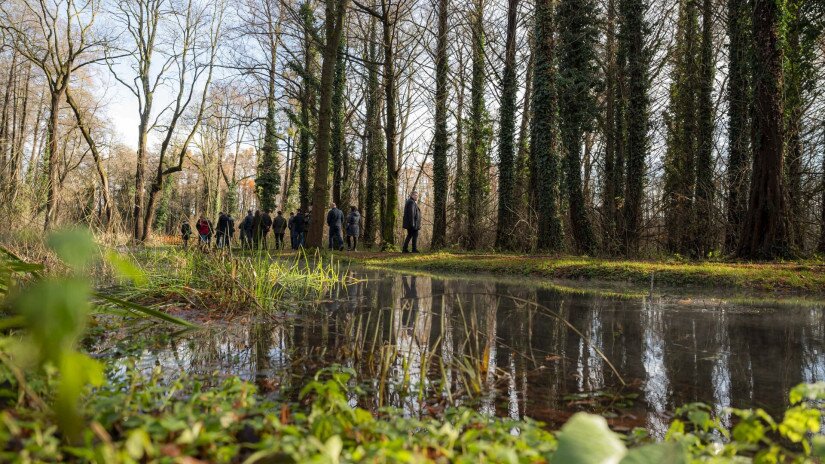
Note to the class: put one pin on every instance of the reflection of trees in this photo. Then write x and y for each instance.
(657, 383)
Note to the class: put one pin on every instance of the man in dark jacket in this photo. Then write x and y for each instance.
(246, 229)
(278, 229)
(300, 224)
(230, 230)
(223, 230)
(353, 228)
(266, 225)
(293, 236)
(335, 220)
(412, 222)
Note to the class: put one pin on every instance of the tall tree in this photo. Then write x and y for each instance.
(738, 94)
(334, 27)
(545, 160)
(390, 210)
(766, 231)
(374, 139)
(703, 209)
(268, 182)
(440, 142)
(308, 91)
(613, 166)
(636, 114)
(477, 155)
(59, 37)
(338, 143)
(681, 123)
(578, 78)
(506, 135)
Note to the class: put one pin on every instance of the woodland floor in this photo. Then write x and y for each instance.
(803, 277)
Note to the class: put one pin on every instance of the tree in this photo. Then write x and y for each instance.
(334, 26)
(703, 208)
(338, 142)
(636, 116)
(766, 231)
(506, 135)
(577, 80)
(738, 95)
(545, 160)
(374, 139)
(58, 37)
(440, 142)
(479, 132)
(613, 166)
(268, 181)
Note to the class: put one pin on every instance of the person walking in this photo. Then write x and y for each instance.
(300, 223)
(278, 229)
(185, 233)
(266, 226)
(292, 235)
(223, 230)
(257, 229)
(246, 229)
(353, 228)
(230, 230)
(412, 222)
(335, 220)
(204, 232)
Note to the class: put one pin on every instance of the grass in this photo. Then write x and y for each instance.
(792, 277)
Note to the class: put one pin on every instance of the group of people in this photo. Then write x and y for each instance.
(256, 226)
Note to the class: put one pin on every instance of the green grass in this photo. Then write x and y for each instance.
(799, 277)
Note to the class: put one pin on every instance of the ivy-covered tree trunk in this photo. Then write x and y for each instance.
(507, 128)
(460, 182)
(307, 106)
(477, 162)
(682, 133)
(612, 168)
(338, 141)
(440, 143)
(821, 247)
(739, 131)
(268, 182)
(390, 216)
(375, 142)
(766, 232)
(578, 36)
(703, 207)
(633, 33)
(543, 131)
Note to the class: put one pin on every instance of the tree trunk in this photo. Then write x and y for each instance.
(440, 142)
(320, 191)
(53, 158)
(390, 216)
(766, 232)
(507, 128)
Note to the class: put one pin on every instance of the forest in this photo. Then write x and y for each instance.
(611, 128)
(620, 208)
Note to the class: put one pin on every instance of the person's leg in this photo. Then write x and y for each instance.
(414, 241)
(407, 242)
(354, 243)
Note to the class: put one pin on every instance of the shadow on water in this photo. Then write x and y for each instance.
(421, 342)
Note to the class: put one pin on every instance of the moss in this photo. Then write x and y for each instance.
(794, 277)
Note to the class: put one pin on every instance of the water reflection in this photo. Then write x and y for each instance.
(420, 342)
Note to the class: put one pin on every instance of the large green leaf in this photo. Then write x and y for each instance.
(586, 439)
(670, 453)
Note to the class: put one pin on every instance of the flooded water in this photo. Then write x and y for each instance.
(518, 350)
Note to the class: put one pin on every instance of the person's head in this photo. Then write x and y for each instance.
(414, 195)
(332, 205)
(249, 212)
(353, 208)
(280, 213)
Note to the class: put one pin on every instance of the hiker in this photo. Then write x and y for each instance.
(278, 229)
(292, 235)
(412, 222)
(246, 230)
(300, 223)
(335, 220)
(257, 229)
(204, 231)
(353, 228)
(230, 230)
(185, 233)
(266, 225)
(223, 230)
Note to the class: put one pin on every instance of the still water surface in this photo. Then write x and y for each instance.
(421, 342)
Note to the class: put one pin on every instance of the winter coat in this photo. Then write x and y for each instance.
(412, 215)
(279, 225)
(266, 222)
(299, 222)
(354, 224)
(247, 224)
(335, 218)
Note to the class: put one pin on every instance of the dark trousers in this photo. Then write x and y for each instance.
(279, 240)
(412, 234)
(352, 242)
(336, 242)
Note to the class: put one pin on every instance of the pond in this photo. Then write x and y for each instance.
(514, 349)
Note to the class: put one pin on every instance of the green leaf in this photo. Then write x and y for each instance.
(75, 247)
(586, 439)
(670, 453)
